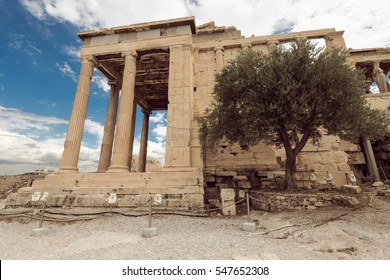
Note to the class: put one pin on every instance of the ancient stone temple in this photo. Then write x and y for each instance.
(170, 65)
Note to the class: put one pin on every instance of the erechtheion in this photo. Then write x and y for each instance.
(170, 65)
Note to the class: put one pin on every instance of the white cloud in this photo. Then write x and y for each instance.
(34, 7)
(29, 141)
(14, 119)
(94, 128)
(72, 51)
(160, 132)
(23, 43)
(92, 14)
(365, 23)
(158, 117)
(101, 82)
(66, 70)
(156, 151)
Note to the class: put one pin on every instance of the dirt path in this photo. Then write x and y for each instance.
(362, 234)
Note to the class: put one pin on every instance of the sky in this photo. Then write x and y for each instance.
(39, 62)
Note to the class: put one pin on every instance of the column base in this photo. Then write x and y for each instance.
(101, 171)
(68, 170)
(118, 169)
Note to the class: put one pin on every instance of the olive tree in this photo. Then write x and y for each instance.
(286, 98)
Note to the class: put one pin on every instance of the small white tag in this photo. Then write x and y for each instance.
(112, 198)
(36, 196)
(157, 199)
(44, 196)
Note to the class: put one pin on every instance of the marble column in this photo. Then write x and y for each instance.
(119, 162)
(74, 134)
(144, 141)
(109, 129)
(373, 168)
(219, 58)
(131, 142)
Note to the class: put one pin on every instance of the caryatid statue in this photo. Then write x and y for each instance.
(379, 78)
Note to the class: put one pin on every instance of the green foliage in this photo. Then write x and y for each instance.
(287, 97)
(298, 90)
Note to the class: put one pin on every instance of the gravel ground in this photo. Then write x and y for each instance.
(361, 234)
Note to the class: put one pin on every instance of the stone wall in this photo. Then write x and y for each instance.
(276, 202)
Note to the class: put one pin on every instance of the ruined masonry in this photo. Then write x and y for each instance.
(170, 65)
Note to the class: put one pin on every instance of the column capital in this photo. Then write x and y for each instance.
(146, 111)
(272, 43)
(219, 49)
(113, 83)
(88, 59)
(245, 46)
(181, 47)
(130, 54)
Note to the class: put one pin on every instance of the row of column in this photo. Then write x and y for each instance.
(116, 152)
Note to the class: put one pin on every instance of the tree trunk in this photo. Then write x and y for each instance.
(290, 169)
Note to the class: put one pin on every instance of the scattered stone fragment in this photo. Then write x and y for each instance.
(351, 189)
(380, 193)
(378, 184)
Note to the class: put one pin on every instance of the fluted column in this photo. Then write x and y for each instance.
(131, 141)
(144, 141)
(74, 134)
(219, 58)
(109, 128)
(125, 114)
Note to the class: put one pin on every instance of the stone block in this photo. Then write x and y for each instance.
(319, 204)
(311, 207)
(377, 184)
(209, 179)
(343, 167)
(386, 192)
(240, 178)
(228, 194)
(356, 158)
(226, 173)
(228, 202)
(350, 189)
(386, 147)
(149, 232)
(348, 146)
(249, 227)
(244, 184)
(221, 186)
(380, 193)
(346, 200)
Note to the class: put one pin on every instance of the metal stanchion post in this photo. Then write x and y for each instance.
(150, 231)
(248, 226)
(43, 198)
(248, 208)
(150, 211)
(42, 213)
